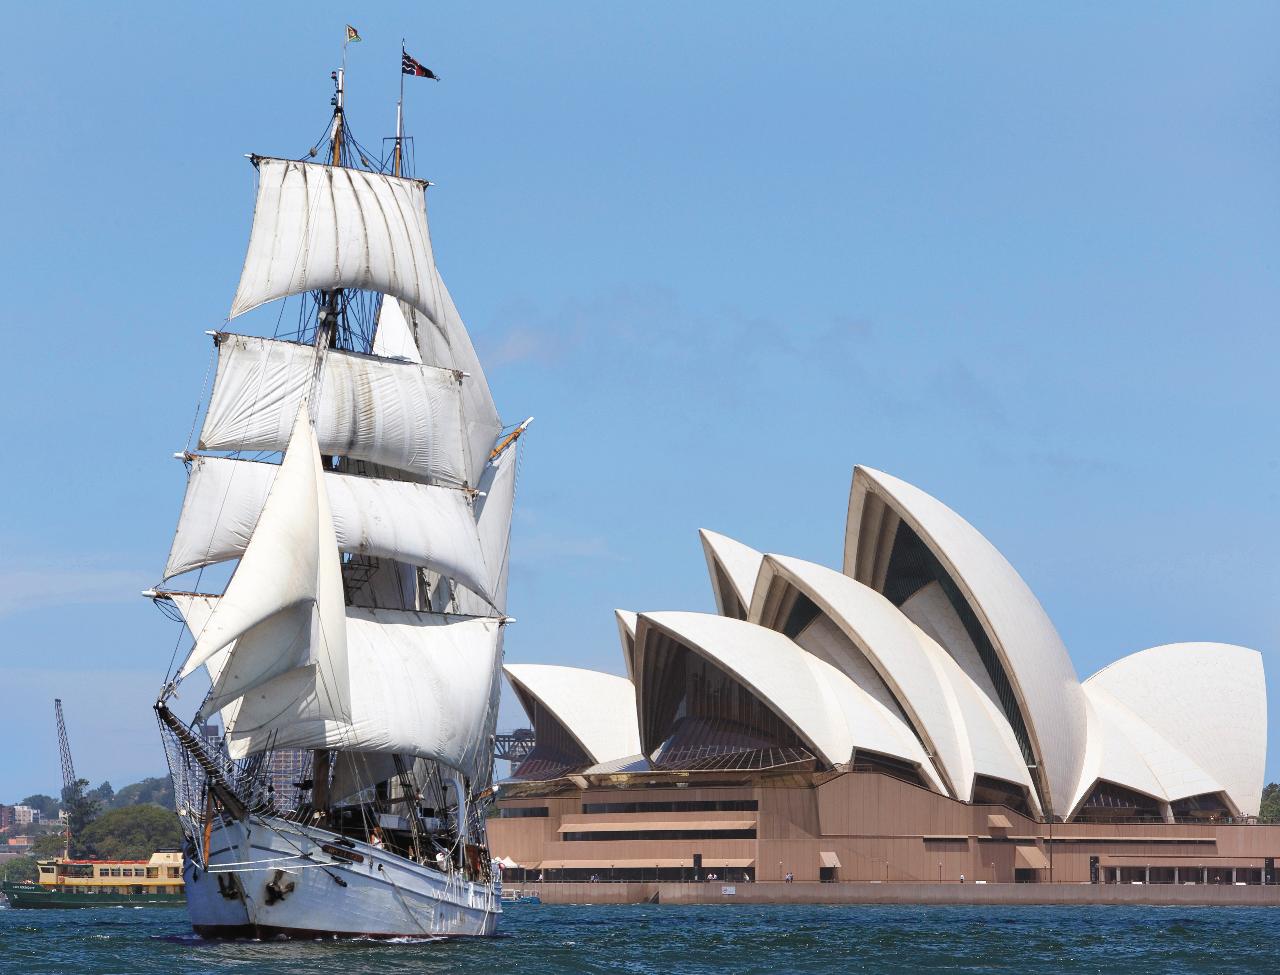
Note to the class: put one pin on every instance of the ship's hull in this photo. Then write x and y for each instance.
(269, 878)
(26, 895)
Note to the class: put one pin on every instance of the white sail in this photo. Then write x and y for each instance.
(421, 684)
(196, 608)
(398, 414)
(282, 608)
(417, 524)
(443, 340)
(493, 517)
(393, 338)
(493, 520)
(319, 227)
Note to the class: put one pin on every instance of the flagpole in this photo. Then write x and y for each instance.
(400, 116)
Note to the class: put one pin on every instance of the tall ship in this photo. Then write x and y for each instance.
(352, 484)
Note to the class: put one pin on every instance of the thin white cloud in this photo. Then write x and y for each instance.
(546, 547)
(76, 583)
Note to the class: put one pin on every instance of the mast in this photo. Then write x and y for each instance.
(326, 335)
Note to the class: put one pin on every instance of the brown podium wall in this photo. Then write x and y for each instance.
(879, 828)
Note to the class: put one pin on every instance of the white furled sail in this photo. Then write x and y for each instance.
(393, 338)
(422, 684)
(398, 414)
(417, 524)
(283, 606)
(320, 228)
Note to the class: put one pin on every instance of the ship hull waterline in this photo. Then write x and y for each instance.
(271, 878)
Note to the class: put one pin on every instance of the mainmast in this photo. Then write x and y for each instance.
(326, 335)
(339, 78)
(327, 317)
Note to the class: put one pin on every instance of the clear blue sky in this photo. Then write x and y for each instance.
(1021, 255)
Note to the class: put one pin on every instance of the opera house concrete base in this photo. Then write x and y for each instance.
(850, 892)
(889, 727)
(862, 828)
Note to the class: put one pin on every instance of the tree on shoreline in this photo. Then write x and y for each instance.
(1270, 811)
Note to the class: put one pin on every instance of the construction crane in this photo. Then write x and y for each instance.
(68, 771)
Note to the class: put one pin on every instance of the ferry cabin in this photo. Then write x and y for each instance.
(161, 875)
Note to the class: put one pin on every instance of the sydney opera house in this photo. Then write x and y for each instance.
(913, 715)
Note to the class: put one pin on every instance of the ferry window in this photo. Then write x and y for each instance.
(153, 872)
(175, 872)
(115, 871)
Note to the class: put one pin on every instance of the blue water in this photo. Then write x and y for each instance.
(540, 939)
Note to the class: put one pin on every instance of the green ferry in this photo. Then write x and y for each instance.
(102, 883)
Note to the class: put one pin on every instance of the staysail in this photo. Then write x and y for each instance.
(422, 684)
(283, 607)
(494, 509)
(445, 342)
(417, 524)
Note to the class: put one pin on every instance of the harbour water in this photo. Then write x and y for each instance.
(546, 939)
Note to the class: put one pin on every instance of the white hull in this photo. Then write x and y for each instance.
(272, 878)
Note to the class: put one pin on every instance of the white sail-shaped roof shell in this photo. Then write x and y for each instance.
(733, 568)
(318, 228)
(1125, 750)
(1207, 701)
(597, 710)
(965, 733)
(827, 710)
(626, 621)
(930, 610)
(1034, 659)
(873, 718)
(417, 524)
(384, 411)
